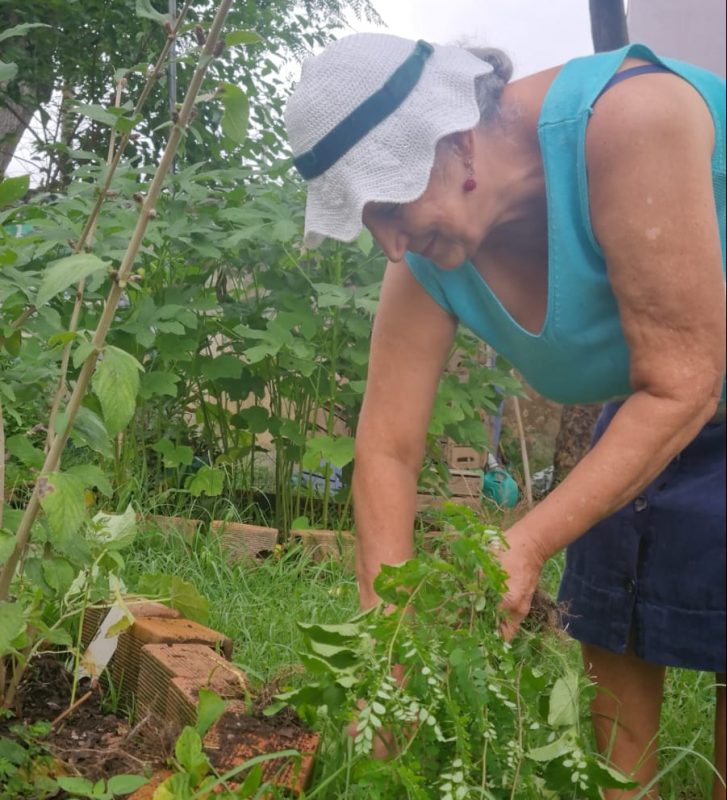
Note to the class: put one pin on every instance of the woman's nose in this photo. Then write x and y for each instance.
(390, 238)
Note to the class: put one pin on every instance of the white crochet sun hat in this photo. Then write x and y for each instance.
(364, 121)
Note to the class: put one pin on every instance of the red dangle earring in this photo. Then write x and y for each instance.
(470, 184)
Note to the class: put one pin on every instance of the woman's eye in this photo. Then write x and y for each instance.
(392, 211)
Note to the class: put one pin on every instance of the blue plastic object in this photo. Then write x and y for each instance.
(498, 485)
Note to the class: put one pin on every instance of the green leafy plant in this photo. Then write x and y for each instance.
(117, 786)
(471, 716)
(195, 777)
(26, 766)
(114, 376)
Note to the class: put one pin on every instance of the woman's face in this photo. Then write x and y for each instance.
(441, 225)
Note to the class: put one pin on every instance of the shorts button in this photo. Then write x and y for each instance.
(641, 503)
(630, 585)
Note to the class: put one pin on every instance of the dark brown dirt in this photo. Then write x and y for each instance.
(91, 741)
(95, 742)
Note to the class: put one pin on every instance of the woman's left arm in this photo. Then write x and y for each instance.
(649, 148)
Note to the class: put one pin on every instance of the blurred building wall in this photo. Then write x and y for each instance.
(691, 30)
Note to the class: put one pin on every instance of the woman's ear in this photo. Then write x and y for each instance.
(462, 143)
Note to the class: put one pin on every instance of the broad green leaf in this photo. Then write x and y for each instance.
(563, 707)
(554, 750)
(12, 189)
(7, 545)
(180, 594)
(210, 708)
(190, 756)
(12, 626)
(256, 417)
(67, 272)
(207, 480)
(237, 112)
(96, 112)
(116, 384)
(21, 30)
(117, 528)
(12, 343)
(242, 37)
(185, 597)
(89, 431)
(76, 785)
(126, 784)
(158, 383)
(223, 366)
(331, 295)
(13, 752)
(172, 454)
(127, 124)
(145, 9)
(8, 70)
(59, 636)
(62, 499)
(261, 351)
(179, 787)
(340, 634)
(58, 573)
(602, 774)
(62, 339)
(81, 353)
(23, 450)
(336, 450)
(338, 658)
(92, 475)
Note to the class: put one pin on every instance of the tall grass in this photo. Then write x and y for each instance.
(257, 604)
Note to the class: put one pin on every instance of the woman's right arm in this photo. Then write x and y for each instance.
(412, 337)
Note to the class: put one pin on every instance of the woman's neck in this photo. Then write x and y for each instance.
(509, 159)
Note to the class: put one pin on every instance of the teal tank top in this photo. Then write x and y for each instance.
(580, 355)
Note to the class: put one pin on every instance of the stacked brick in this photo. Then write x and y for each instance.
(161, 663)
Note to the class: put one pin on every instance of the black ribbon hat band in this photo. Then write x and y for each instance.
(363, 119)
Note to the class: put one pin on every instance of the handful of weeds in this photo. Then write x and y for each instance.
(473, 717)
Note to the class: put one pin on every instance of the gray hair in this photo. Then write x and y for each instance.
(489, 87)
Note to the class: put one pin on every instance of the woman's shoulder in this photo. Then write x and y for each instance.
(661, 106)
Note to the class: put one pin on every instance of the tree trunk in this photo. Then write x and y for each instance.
(608, 25)
(14, 119)
(574, 438)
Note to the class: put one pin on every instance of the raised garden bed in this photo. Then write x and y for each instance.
(161, 663)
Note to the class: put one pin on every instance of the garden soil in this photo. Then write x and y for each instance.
(95, 743)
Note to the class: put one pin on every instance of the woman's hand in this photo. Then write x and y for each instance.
(523, 563)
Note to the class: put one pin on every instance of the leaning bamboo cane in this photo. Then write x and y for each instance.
(523, 452)
(147, 211)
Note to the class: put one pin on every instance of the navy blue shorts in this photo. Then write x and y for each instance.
(652, 575)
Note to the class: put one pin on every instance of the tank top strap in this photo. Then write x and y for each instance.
(631, 72)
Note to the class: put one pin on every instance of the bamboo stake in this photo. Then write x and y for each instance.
(523, 452)
(81, 700)
(78, 304)
(147, 211)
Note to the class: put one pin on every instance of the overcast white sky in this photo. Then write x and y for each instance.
(536, 34)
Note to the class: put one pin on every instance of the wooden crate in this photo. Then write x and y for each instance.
(460, 457)
(465, 487)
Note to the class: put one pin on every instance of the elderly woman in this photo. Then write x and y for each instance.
(575, 220)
